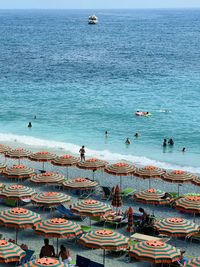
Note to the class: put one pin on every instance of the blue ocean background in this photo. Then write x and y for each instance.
(81, 80)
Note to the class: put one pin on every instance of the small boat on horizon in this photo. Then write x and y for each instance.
(93, 19)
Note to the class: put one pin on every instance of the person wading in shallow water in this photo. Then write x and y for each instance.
(82, 153)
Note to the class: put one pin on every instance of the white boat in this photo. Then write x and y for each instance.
(92, 19)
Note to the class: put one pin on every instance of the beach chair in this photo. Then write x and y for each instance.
(86, 229)
(107, 192)
(28, 257)
(10, 202)
(68, 214)
(127, 192)
(82, 261)
(95, 264)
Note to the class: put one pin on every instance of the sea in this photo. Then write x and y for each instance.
(81, 80)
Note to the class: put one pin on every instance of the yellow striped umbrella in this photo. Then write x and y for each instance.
(18, 172)
(176, 227)
(17, 192)
(18, 153)
(196, 181)
(92, 164)
(151, 196)
(48, 178)
(42, 156)
(79, 184)
(10, 252)
(120, 169)
(65, 161)
(155, 252)
(50, 199)
(47, 262)
(190, 204)
(19, 218)
(105, 240)
(2, 167)
(195, 262)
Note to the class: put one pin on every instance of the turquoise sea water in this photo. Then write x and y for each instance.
(81, 80)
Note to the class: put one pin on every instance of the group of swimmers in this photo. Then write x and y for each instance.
(170, 142)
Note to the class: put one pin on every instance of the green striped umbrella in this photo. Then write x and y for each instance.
(155, 252)
(117, 198)
(50, 199)
(51, 262)
(18, 153)
(151, 196)
(178, 227)
(2, 167)
(58, 228)
(79, 184)
(190, 204)
(105, 240)
(120, 169)
(47, 178)
(17, 192)
(42, 156)
(195, 262)
(19, 218)
(196, 181)
(19, 172)
(10, 252)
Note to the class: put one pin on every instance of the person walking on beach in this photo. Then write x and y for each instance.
(47, 250)
(82, 153)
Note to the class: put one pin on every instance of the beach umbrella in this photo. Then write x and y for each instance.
(92, 164)
(42, 156)
(190, 204)
(130, 227)
(19, 218)
(79, 184)
(4, 149)
(155, 252)
(120, 169)
(196, 181)
(151, 196)
(58, 228)
(117, 198)
(195, 262)
(65, 161)
(149, 172)
(10, 252)
(105, 240)
(177, 227)
(2, 167)
(50, 199)
(47, 262)
(47, 178)
(18, 153)
(19, 172)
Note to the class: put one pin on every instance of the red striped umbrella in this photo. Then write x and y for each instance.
(65, 161)
(151, 196)
(48, 178)
(51, 262)
(190, 204)
(18, 153)
(50, 199)
(42, 156)
(130, 221)
(195, 262)
(120, 169)
(4, 149)
(17, 192)
(10, 252)
(79, 184)
(196, 181)
(2, 167)
(155, 252)
(178, 227)
(117, 198)
(18, 172)
(178, 176)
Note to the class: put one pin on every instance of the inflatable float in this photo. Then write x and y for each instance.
(142, 113)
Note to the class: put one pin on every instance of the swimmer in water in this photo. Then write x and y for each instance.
(35, 117)
(136, 135)
(164, 142)
(183, 150)
(127, 142)
(29, 125)
(106, 133)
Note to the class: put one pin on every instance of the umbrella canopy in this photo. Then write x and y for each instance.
(149, 172)
(155, 252)
(151, 196)
(18, 172)
(91, 208)
(42, 156)
(50, 198)
(190, 204)
(48, 178)
(17, 192)
(79, 184)
(176, 227)
(178, 176)
(65, 161)
(196, 181)
(18, 153)
(2, 167)
(195, 262)
(51, 262)
(130, 220)
(10, 252)
(117, 198)
(4, 149)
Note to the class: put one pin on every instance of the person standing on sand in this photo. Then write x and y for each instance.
(82, 153)
(47, 250)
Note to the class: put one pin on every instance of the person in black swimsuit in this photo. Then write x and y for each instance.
(82, 153)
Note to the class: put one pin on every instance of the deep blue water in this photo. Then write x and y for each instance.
(80, 80)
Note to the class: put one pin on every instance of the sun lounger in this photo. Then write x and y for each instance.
(28, 257)
(82, 261)
(127, 192)
(95, 264)
(86, 229)
(10, 202)
(68, 214)
(107, 192)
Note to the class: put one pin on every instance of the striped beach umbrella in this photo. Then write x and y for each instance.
(10, 252)
(105, 240)
(92, 164)
(178, 176)
(50, 199)
(18, 153)
(155, 252)
(65, 161)
(2, 167)
(47, 262)
(4, 149)
(120, 169)
(19, 172)
(190, 204)
(195, 262)
(42, 156)
(19, 218)
(17, 192)
(58, 228)
(196, 181)
(130, 220)
(79, 184)
(117, 198)
(178, 227)
(151, 196)
(47, 178)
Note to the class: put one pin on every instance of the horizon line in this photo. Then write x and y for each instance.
(113, 8)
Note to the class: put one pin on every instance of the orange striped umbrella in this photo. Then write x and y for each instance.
(42, 156)
(151, 196)
(178, 176)
(47, 178)
(190, 204)
(17, 192)
(130, 227)
(65, 161)
(117, 198)
(19, 218)
(195, 262)
(18, 172)
(50, 199)
(18, 153)
(79, 184)
(196, 181)
(155, 252)
(10, 252)
(4, 149)
(2, 167)
(120, 169)
(47, 262)
(176, 227)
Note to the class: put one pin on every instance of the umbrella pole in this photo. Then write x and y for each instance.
(16, 237)
(57, 247)
(104, 257)
(43, 166)
(93, 174)
(120, 182)
(19, 161)
(67, 173)
(149, 183)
